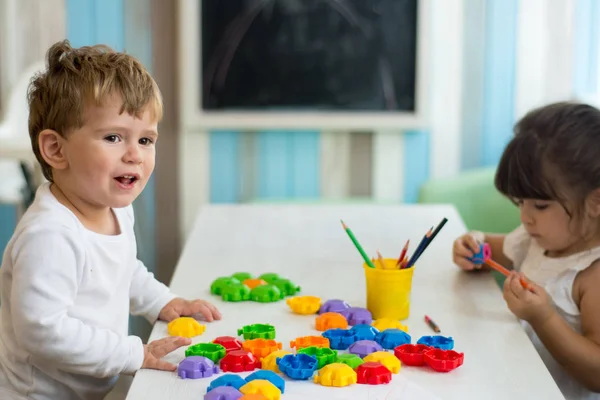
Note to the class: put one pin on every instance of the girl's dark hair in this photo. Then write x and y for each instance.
(554, 155)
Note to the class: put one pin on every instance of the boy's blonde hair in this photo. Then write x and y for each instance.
(78, 77)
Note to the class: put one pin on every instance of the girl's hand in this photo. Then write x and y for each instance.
(154, 351)
(465, 246)
(532, 305)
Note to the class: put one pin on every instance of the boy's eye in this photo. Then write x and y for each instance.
(540, 206)
(112, 138)
(146, 141)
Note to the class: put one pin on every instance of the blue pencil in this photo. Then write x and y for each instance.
(419, 249)
(430, 237)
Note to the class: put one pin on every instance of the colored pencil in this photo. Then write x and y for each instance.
(403, 254)
(419, 249)
(357, 245)
(380, 258)
(435, 232)
(430, 238)
(432, 324)
(493, 264)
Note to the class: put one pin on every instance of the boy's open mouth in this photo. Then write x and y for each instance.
(127, 179)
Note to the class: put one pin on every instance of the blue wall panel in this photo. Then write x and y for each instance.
(416, 163)
(585, 47)
(225, 167)
(499, 80)
(305, 164)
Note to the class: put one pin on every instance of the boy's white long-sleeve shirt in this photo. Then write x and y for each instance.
(66, 295)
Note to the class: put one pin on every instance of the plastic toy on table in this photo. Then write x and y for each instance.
(364, 332)
(334, 305)
(412, 354)
(257, 331)
(388, 359)
(212, 351)
(352, 360)
(297, 366)
(254, 282)
(324, 355)
(443, 360)
(336, 374)
(229, 342)
(266, 294)
(308, 341)
(261, 347)
(270, 376)
(339, 339)
(195, 367)
(262, 387)
(186, 327)
(235, 292)
(218, 284)
(270, 361)
(363, 348)
(223, 393)
(357, 315)
(391, 338)
(440, 342)
(373, 373)
(239, 361)
(269, 277)
(304, 305)
(330, 320)
(231, 380)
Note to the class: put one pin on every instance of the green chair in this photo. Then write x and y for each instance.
(478, 202)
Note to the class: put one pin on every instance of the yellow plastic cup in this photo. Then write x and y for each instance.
(388, 290)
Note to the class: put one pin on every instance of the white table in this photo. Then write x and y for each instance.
(308, 245)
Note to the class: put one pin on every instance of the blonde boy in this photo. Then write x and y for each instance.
(70, 276)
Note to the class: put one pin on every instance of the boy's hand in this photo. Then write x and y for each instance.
(465, 246)
(532, 305)
(154, 351)
(179, 307)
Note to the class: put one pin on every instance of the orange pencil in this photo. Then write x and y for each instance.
(380, 258)
(504, 271)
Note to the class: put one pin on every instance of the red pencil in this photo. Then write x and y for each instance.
(432, 324)
(403, 254)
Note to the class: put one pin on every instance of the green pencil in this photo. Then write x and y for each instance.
(358, 246)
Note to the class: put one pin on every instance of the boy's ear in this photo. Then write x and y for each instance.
(52, 149)
(593, 203)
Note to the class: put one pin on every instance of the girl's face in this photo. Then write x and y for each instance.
(553, 228)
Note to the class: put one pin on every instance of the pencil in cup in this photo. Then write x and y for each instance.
(388, 290)
(357, 245)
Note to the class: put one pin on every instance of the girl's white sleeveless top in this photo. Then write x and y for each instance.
(556, 275)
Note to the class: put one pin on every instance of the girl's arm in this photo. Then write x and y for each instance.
(578, 354)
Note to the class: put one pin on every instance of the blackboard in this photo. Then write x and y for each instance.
(324, 55)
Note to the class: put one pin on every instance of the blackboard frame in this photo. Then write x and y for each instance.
(194, 117)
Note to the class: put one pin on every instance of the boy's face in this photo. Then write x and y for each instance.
(111, 157)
